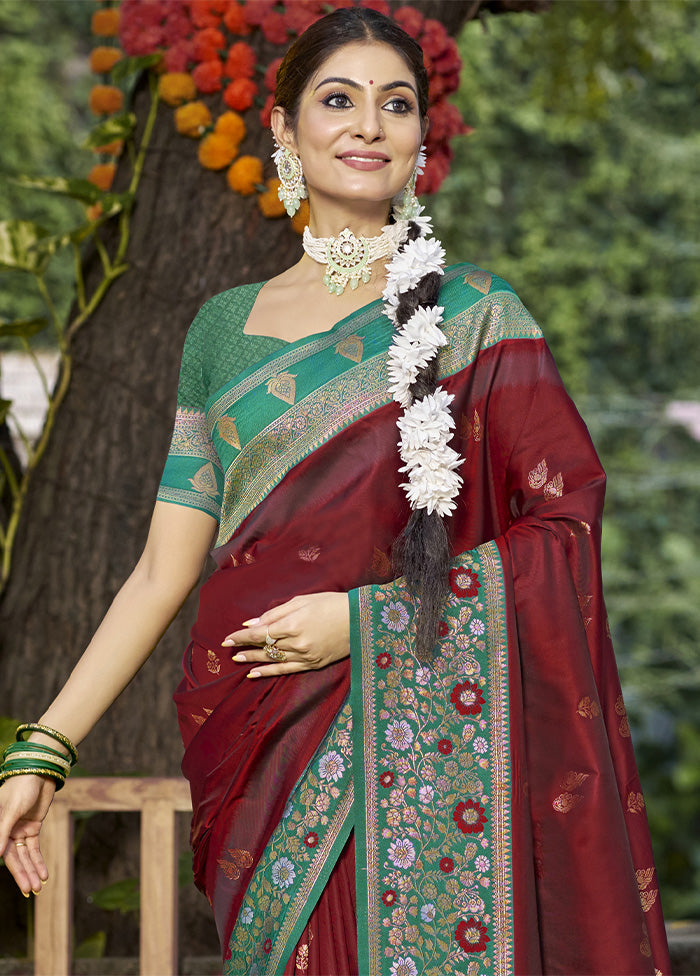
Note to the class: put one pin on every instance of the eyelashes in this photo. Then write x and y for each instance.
(402, 106)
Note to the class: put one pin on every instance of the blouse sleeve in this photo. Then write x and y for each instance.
(193, 475)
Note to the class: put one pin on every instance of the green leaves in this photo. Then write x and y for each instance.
(116, 127)
(129, 66)
(24, 328)
(18, 246)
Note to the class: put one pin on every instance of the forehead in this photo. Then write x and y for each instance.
(361, 61)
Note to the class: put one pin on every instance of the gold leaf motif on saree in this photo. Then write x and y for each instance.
(573, 780)
(565, 802)
(481, 280)
(351, 348)
(538, 476)
(204, 481)
(213, 663)
(228, 432)
(648, 898)
(635, 802)
(587, 708)
(555, 487)
(645, 876)
(283, 386)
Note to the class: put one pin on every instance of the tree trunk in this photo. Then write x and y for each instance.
(87, 513)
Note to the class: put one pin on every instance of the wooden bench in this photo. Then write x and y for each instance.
(157, 800)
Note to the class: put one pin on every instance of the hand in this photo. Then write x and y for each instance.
(24, 802)
(312, 630)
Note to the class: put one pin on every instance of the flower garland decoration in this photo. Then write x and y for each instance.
(203, 52)
(426, 425)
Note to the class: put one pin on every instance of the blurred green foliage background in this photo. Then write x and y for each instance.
(580, 186)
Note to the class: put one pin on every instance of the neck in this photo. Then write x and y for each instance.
(364, 218)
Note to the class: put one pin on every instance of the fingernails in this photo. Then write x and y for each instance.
(252, 622)
(228, 642)
(238, 657)
(26, 894)
(253, 674)
(43, 883)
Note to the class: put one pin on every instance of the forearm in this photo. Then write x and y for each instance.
(134, 623)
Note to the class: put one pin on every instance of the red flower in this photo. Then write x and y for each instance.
(267, 946)
(389, 896)
(302, 14)
(436, 169)
(311, 840)
(177, 26)
(207, 76)
(469, 817)
(240, 62)
(447, 865)
(207, 43)
(445, 746)
(380, 5)
(434, 38)
(240, 93)
(445, 121)
(464, 582)
(177, 57)
(274, 27)
(254, 13)
(410, 19)
(205, 13)
(471, 935)
(386, 779)
(235, 19)
(383, 660)
(271, 74)
(266, 112)
(443, 629)
(467, 698)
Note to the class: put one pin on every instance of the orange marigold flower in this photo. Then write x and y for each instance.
(192, 119)
(106, 99)
(207, 13)
(207, 43)
(105, 22)
(110, 148)
(245, 174)
(207, 76)
(217, 150)
(102, 175)
(176, 87)
(266, 112)
(240, 62)
(235, 20)
(269, 202)
(103, 59)
(301, 217)
(240, 93)
(232, 125)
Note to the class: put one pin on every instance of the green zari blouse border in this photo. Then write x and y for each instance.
(362, 388)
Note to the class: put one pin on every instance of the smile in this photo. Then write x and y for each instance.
(366, 161)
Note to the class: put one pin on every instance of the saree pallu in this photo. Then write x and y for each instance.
(490, 799)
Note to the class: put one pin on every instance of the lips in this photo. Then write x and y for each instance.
(367, 155)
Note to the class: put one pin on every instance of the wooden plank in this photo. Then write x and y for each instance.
(158, 890)
(126, 794)
(53, 934)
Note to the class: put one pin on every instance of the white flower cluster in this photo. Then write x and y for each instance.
(426, 425)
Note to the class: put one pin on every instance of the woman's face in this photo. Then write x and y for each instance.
(358, 128)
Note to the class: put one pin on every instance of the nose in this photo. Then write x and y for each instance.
(368, 124)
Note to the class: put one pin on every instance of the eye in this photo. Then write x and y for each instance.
(399, 105)
(337, 100)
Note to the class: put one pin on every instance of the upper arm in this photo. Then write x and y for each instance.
(178, 541)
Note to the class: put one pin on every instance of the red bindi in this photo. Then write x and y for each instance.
(371, 82)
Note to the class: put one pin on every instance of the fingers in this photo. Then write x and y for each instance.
(255, 629)
(25, 862)
(272, 670)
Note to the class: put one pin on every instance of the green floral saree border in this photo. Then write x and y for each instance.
(432, 770)
(298, 859)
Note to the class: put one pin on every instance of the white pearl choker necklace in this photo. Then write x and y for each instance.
(348, 259)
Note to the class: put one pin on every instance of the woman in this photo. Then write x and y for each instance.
(472, 803)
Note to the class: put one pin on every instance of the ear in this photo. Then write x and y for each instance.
(282, 131)
(425, 125)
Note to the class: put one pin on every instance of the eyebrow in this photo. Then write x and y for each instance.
(354, 84)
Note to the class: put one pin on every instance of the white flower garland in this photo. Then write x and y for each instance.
(426, 425)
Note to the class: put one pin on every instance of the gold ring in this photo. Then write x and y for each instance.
(20, 843)
(276, 653)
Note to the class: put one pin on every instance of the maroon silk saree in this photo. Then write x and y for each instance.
(485, 811)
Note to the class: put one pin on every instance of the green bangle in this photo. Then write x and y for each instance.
(33, 762)
(58, 777)
(52, 733)
(37, 749)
